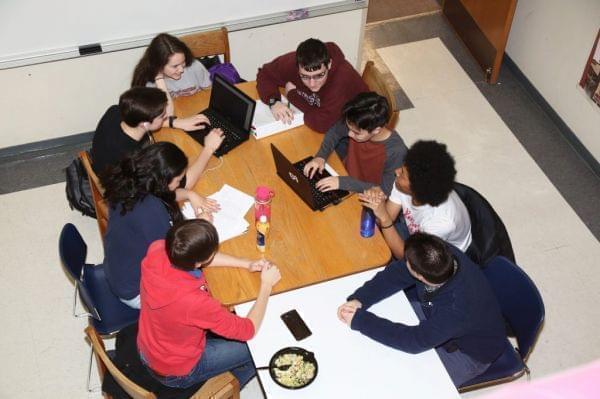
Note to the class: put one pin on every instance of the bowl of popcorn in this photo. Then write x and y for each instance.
(293, 367)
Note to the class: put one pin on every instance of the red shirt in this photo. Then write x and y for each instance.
(323, 108)
(176, 311)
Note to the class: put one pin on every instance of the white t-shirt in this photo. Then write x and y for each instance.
(194, 78)
(449, 220)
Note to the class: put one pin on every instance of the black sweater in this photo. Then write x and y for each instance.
(462, 314)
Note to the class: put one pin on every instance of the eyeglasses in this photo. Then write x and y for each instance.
(319, 76)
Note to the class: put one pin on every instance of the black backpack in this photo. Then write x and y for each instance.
(78, 190)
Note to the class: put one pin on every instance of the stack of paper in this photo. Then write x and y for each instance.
(229, 221)
(264, 124)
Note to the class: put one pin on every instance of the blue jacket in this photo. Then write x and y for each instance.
(463, 314)
(127, 240)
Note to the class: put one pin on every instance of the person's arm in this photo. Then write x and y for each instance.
(199, 203)
(212, 141)
(331, 139)
(269, 276)
(273, 75)
(349, 183)
(395, 277)
(395, 153)
(442, 326)
(222, 260)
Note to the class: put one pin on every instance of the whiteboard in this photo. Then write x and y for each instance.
(34, 28)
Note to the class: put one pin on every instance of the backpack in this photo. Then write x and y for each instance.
(78, 190)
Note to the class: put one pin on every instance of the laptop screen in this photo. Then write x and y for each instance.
(231, 104)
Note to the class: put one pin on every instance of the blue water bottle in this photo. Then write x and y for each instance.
(367, 222)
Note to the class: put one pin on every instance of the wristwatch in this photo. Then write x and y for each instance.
(272, 101)
(171, 119)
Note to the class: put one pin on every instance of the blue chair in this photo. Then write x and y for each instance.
(523, 309)
(105, 311)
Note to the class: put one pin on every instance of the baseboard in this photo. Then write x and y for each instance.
(24, 150)
(565, 130)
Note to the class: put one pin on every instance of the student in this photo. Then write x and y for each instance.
(140, 191)
(316, 78)
(178, 310)
(371, 155)
(127, 127)
(458, 311)
(169, 65)
(423, 193)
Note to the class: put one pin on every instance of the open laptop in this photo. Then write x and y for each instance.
(230, 110)
(293, 175)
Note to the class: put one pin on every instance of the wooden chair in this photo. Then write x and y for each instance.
(222, 386)
(97, 193)
(209, 43)
(374, 79)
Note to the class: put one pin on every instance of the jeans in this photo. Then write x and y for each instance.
(219, 355)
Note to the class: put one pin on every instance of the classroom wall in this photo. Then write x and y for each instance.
(62, 98)
(550, 41)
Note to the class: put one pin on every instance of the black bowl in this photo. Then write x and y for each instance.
(308, 357)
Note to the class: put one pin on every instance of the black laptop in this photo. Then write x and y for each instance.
(293, 175)
(230, 110)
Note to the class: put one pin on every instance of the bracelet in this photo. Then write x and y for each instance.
(387, 227)
(171, 119)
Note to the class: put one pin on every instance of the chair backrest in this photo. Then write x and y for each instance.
(105, 364)
(520, 301)
(222, 386)
(72, 250)
(109, 314)
(100, 203)
(376, 82)
(487, 229)
(207, 43)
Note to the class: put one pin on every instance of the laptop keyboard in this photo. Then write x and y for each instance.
(321, 198)
(231, 138)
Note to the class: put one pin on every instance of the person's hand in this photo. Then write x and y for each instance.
(191, 123)
(213, 140)
(159, 76)
(208, 216)
(269, 275)
(314, 165)
(375, 198)
(347, 310)
(289, 86)
(282, 112)
(202, 204)
(258, 265)
(328, 183)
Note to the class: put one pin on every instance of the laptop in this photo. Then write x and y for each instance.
(229, 109)
(305, 187)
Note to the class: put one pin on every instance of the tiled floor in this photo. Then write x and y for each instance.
(42, 350)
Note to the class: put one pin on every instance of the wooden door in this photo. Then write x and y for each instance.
(483, 25)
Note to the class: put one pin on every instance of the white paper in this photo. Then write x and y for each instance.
(229, 221)
(264, 124)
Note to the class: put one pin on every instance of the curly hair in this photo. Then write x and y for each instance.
(157, 56)
(431, 172)
(145, 172)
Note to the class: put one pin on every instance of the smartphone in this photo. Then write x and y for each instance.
(296, 325)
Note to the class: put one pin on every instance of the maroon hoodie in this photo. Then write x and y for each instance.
(323, 108)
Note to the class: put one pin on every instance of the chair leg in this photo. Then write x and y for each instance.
(528, 372)
(75, 302)
(89, 377)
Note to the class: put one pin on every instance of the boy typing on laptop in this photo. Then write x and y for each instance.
(370, 151)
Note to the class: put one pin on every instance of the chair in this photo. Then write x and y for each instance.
(73, 252)
(490, 237)
(523, 309)
(374, 79)
(100, 203)
(222, 386)
(213, 42)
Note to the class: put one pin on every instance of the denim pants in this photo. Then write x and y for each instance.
(219, 355)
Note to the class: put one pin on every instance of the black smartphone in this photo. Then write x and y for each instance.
(296, 325)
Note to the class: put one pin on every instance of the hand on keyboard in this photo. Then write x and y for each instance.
(213, 140)
(192, 123)
(313, 166)
(328, 183)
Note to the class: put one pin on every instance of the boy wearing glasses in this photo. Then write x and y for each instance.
(371, 152)
(316, 78)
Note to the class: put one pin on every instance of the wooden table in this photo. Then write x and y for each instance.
(309, 247)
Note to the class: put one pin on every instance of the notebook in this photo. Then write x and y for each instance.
(304, 187)
(265, 125)
(230, 110)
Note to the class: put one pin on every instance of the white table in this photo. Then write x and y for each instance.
(351, 365)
